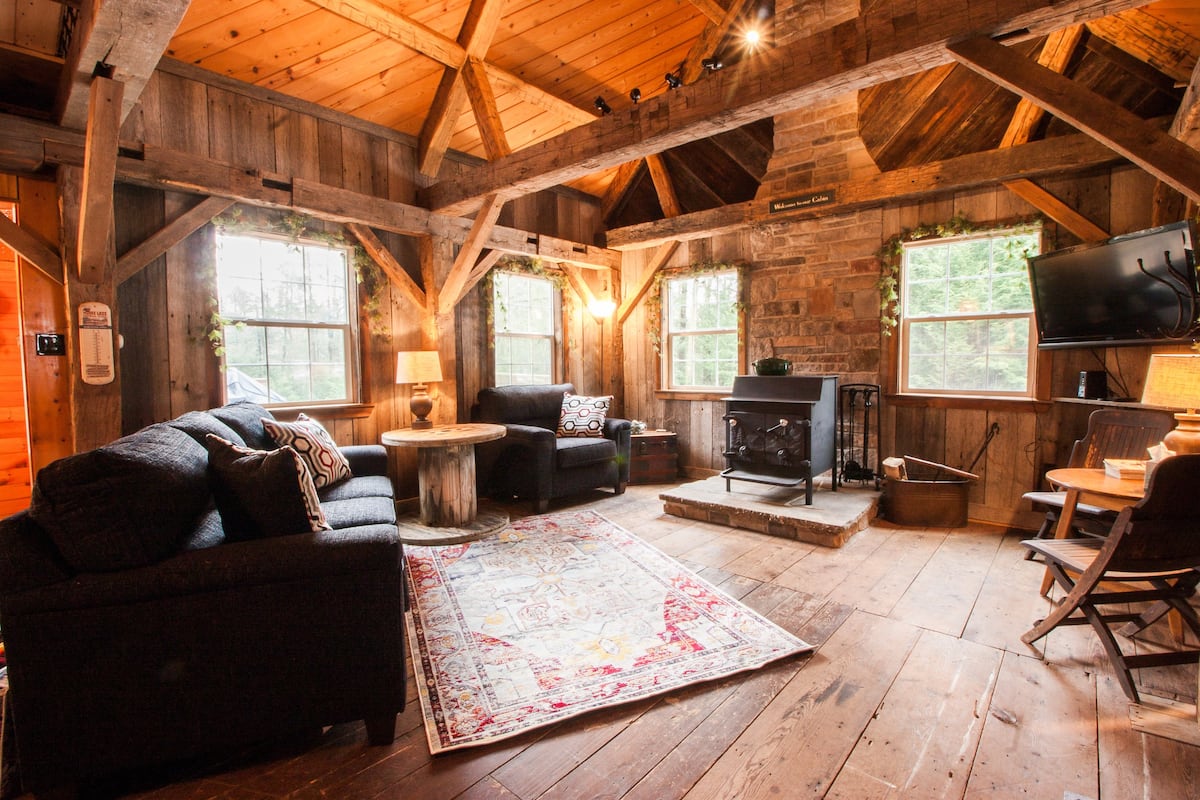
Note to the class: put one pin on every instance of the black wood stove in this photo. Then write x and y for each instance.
(780, 430)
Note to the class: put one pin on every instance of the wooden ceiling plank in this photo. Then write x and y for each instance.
(1165, 47)
(1061, 155)
(483, 104)
(129, 37)
(826, 63)
(481, 228)
(99, 173)
(657, 262)
(31, 247)
(663, 186)
(619, 186)
(387, 262)
(395, 26)
(1057, 210)
(137, 257)
(1166, 158)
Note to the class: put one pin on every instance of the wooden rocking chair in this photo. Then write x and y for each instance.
(1155, 542)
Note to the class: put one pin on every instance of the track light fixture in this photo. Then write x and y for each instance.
(635, 95)
(712, 64)
(601, 106)
(674, 81)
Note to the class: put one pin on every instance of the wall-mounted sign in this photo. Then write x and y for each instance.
(802, 201)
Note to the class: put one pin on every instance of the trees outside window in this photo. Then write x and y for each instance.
(524, 311)
(289, 332)
(700, 331)
(966, 315)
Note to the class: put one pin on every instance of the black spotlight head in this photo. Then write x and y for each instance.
(635, 96)
(712, 64)
(601, 106)
(674, 81)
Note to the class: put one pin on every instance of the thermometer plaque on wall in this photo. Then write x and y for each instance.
(95, 343)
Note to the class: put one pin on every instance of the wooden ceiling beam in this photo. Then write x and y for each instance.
(31, 247)
(483, 105)
(387, 262)
(1063, 154)
(1056, 54)
(659, 260)
(1168, 204)
(886, 43)
(711, 9)
(133, 260)
(448, 105)
(161, 168)
(619, 186)
(1168, 159)
(93, 249)
(481, 228)
(537, 97)
(663, 186)
(398, 28)
(127, 39)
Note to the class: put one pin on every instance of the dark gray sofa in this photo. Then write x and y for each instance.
(136, 634)
(531, 462)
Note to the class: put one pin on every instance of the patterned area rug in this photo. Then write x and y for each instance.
(562, 614)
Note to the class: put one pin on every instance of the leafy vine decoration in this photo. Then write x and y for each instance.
(524, 265)
(653, 300)
(295, 227)
(891, 254)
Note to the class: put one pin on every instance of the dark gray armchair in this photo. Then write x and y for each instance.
(531, 462)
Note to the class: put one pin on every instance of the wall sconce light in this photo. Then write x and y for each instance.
(674, 81)
(602, 307)
(712, 64)
(635, 95)
(601, 106)
(419, 367)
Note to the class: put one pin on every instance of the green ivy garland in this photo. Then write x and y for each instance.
(524, 265)
(891, 254)
(653, 299)
(295, 227)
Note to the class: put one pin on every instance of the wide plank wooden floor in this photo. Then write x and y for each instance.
(919, 688)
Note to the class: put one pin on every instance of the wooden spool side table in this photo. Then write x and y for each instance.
(446, 483)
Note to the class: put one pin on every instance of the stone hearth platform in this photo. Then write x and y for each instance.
(831, 520)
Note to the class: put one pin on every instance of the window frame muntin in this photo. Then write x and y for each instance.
(902, 337)
(352, 337)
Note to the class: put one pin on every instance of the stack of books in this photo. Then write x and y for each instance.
(1125, 468)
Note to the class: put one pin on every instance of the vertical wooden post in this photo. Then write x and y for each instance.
(437, 329)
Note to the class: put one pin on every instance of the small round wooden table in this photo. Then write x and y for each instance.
(446, 483)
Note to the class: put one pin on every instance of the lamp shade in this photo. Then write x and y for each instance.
(1173, 380)
(418, 366)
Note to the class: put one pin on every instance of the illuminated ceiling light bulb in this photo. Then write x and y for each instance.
(753, 37)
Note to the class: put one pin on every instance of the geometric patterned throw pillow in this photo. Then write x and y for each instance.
(582, 415)
(314, 444)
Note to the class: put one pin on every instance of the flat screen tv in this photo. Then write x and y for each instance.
(1138, 288)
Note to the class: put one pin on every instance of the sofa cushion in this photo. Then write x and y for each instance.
(198, 424)
(309, 438)
(262, 492)
(246, 418)
(359, 511)
(582, 415)
(126, 504)
(358, 486)
(575, 452)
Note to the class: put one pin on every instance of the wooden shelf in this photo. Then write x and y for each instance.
(1083, 401)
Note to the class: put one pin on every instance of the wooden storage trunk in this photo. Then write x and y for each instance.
(653, 458)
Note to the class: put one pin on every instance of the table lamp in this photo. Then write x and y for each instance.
(419, 367)
(1173, 380)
